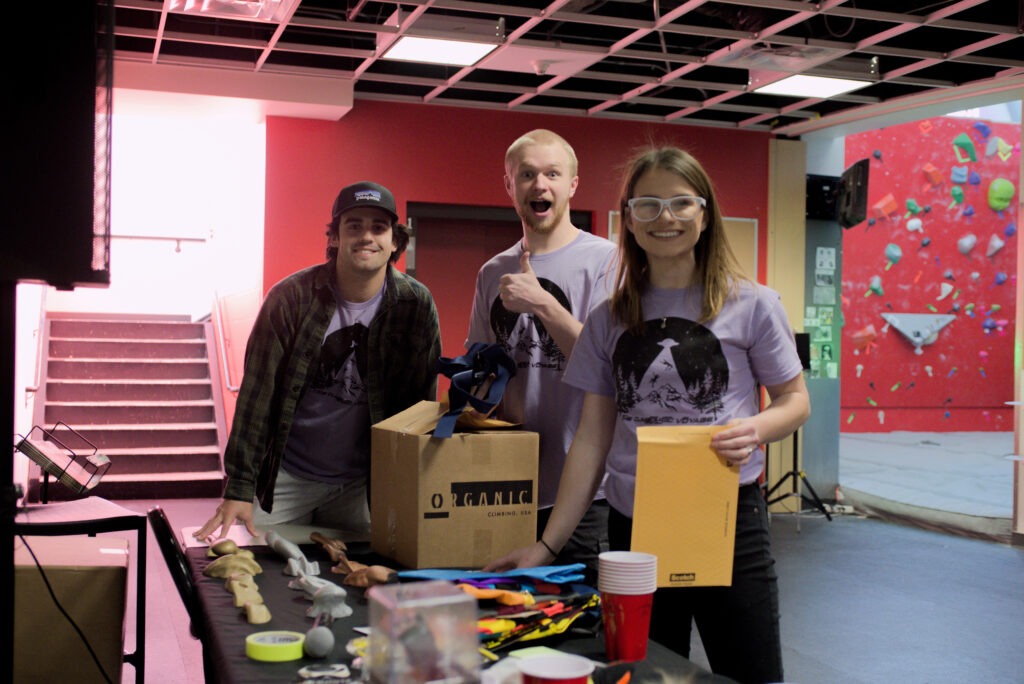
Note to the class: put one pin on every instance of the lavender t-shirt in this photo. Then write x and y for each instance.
(580, 276)
(680, 372)
(330, 436)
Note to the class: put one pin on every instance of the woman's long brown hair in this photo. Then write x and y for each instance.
(717, 267)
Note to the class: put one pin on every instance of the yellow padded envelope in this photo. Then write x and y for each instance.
(684, 511)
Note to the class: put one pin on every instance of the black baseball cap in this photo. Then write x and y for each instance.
(364, 194)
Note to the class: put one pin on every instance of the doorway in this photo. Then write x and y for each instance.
(449, 245)
(449, 253)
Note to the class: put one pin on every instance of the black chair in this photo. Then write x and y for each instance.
(178, 565)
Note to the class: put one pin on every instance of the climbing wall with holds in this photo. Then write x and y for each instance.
(929, 279)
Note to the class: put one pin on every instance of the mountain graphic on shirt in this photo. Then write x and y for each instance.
(343, 360)
(524, 337)
(676, 366)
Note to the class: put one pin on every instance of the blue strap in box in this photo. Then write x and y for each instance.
(481, 362)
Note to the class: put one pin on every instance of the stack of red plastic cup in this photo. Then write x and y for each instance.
(627, 581)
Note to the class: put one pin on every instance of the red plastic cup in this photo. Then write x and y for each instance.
(556, 669)
(627, 624)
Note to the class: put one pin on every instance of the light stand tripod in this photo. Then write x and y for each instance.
(799, 479)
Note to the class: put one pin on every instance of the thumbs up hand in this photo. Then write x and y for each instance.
(524, 263)
(522, 292)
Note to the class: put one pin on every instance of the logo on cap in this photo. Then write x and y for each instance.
(367, 196)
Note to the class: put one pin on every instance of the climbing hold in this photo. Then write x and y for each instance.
(957, 193)
(1000, 194)
(932, 173)
(875, 286)
(995, 243)
(963, 147)
(893, 253)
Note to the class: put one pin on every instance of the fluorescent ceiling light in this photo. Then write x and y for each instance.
(801, 85)
(442, 39)
(438, 51)
(254, 10)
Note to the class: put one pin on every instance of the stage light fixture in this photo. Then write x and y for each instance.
(78, 472)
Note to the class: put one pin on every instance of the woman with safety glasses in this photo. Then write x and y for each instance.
(684, 339)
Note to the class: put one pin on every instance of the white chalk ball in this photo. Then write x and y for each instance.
(319, 642)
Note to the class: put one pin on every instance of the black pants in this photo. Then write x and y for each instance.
(739, 624)
(588, 540)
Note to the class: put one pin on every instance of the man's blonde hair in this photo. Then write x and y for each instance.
(541, 136)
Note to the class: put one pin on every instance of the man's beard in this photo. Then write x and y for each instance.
(543, 225)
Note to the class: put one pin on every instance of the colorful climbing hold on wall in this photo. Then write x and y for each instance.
(1000, 194)
(932, 173)
(963, 147)
(893, 253)
(957, 193)
(885, 206)
(995, 243)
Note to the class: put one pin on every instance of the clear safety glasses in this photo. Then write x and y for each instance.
(682, 207)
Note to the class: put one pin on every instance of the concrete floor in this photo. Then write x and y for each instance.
(961, 482)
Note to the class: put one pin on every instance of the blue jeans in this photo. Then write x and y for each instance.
(739, 624)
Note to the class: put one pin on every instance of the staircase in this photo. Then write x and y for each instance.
(146, 392)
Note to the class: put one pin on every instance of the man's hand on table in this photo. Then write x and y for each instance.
(228, 512)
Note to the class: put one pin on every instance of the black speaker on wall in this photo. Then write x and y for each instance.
(822, 192)
(55, 215)
(852, 203)
(803, 349)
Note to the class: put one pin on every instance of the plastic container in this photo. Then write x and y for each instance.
(422, 632)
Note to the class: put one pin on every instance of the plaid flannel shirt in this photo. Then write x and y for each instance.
(283, 350)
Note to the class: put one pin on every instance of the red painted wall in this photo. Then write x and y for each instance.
(426, 153)
(961, 381)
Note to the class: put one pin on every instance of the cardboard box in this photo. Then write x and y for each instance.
(450, 503)
(89, 577)
(685, 506)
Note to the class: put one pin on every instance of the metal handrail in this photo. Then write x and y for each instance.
(40, 336)
(219, 329)
(160, 238)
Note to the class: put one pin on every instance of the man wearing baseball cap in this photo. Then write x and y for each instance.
(335, 348)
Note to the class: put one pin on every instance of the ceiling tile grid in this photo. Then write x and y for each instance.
(689, 62)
